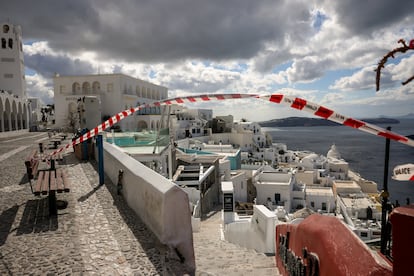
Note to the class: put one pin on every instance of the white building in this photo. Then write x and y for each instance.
(239, 180)
(12, 76)
(336, 166)
(190, 122)
(14, 107)
(115, 92)
(274, 189)
(320, 198)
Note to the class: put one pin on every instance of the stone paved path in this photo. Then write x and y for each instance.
(97, 234)
(215, 256)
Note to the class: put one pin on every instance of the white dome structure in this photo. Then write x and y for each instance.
(333, 153)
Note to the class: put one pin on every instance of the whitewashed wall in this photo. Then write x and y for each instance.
(258, 233)
(161, 205)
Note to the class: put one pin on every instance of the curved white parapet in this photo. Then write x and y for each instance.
(160, 204)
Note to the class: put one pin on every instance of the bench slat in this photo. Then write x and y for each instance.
(31, 162)
(45, 183)
(30, 157)
(53, 186)
(33, 171)
(38, 187)
(59, 181)
(65, 181)
(52, 181)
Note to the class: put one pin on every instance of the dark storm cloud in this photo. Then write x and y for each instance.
(157, 30)
(364, 17)
(50, 20)
(266, 32)
(49, 65)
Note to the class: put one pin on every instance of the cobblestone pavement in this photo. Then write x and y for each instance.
(97, 234)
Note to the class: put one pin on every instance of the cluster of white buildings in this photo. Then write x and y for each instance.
(286, 185)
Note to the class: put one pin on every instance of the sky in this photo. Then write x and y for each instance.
(322, 51)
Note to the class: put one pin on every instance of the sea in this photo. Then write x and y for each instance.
(364, 152)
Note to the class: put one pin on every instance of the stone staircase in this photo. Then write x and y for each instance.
(215, 256)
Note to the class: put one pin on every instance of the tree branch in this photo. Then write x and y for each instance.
(381, 64)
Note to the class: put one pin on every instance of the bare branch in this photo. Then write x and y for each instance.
(407, 81)
(381, 64)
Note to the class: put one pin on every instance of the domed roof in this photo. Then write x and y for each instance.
(333, 153)
(309, 160)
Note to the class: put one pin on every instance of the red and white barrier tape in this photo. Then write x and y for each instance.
(121, 115)
(331, 115)
(293, 102)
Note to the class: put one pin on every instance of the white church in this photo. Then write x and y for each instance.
(85, 101)
(14, 104)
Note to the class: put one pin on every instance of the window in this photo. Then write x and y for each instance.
(3, 43)
(75, 88)
(6, 29)
(277, 198)
(110, 87)
(7, 59)
(323, 206)
(86, 88)
(312, 204)
(10, 43)
(62, 89)
(96, 87)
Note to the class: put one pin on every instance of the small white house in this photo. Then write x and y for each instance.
(274, 188)
(320, 198)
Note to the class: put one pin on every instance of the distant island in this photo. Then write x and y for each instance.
(304, 121)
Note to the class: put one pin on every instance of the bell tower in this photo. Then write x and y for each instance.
(12, 77)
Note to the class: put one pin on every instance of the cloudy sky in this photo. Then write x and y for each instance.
(323, 51)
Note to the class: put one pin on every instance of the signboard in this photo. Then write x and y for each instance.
(404, 172)
(228, 203)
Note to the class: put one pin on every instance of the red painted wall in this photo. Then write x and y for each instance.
(402, 221)
(336, 248)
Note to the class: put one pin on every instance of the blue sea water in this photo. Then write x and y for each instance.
(364, 152)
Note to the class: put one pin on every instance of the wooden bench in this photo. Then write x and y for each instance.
(54, 143)
(32, 164)
(48, 183)
(56, 157)
(55, 140)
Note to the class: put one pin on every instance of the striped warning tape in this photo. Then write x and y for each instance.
(121, 115)
(293, 102)
(331, 115)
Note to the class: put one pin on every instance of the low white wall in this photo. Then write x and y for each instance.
(161, 204)
(258, 233)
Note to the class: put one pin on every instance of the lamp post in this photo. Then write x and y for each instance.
(385, 195)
